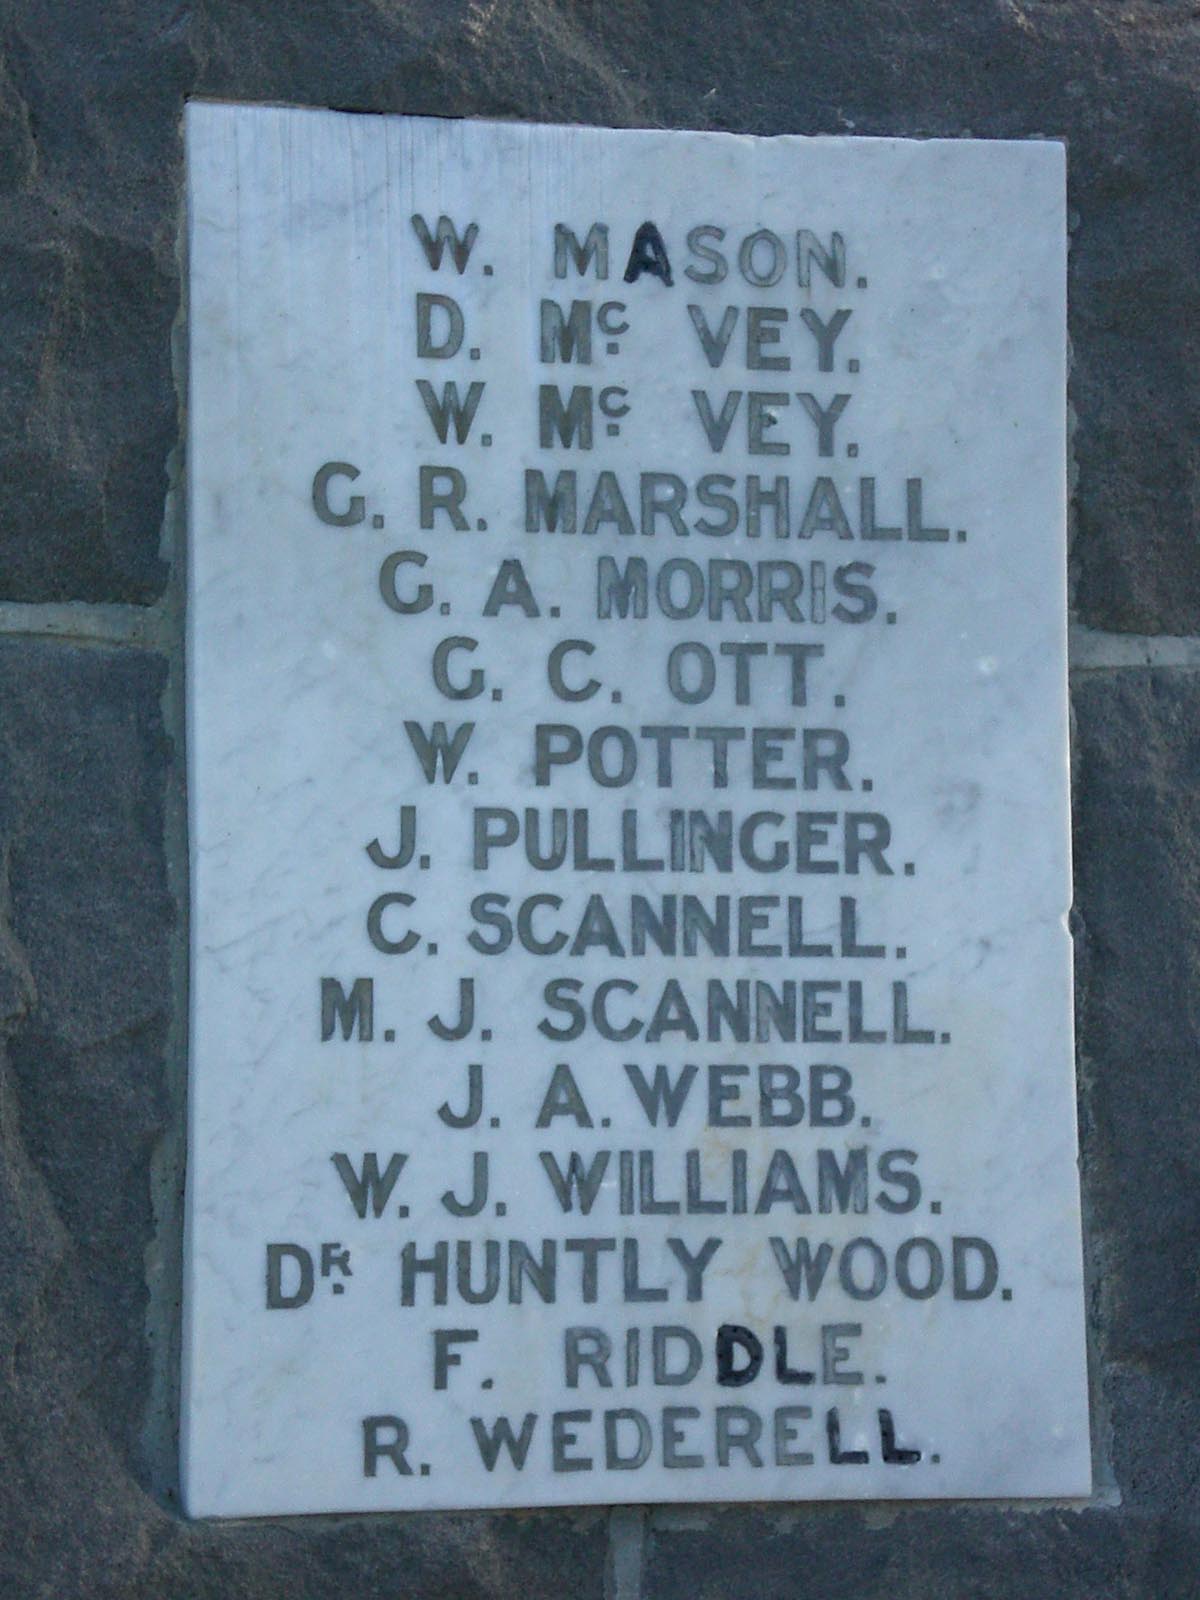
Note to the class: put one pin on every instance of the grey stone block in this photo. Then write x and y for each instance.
(90, 163)
(436, 1557)
(85, 927)
(1155, 1411)
(1137, 873)
(927, 1552)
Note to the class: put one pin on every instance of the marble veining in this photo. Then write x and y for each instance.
(631, 1051)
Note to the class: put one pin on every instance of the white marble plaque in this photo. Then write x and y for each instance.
(631, 1040)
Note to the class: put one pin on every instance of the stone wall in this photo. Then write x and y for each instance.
(93, 908)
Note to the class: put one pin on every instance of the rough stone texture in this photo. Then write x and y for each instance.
(1137, 844)
(84, 938)
(90, 163)
(920, 1554)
